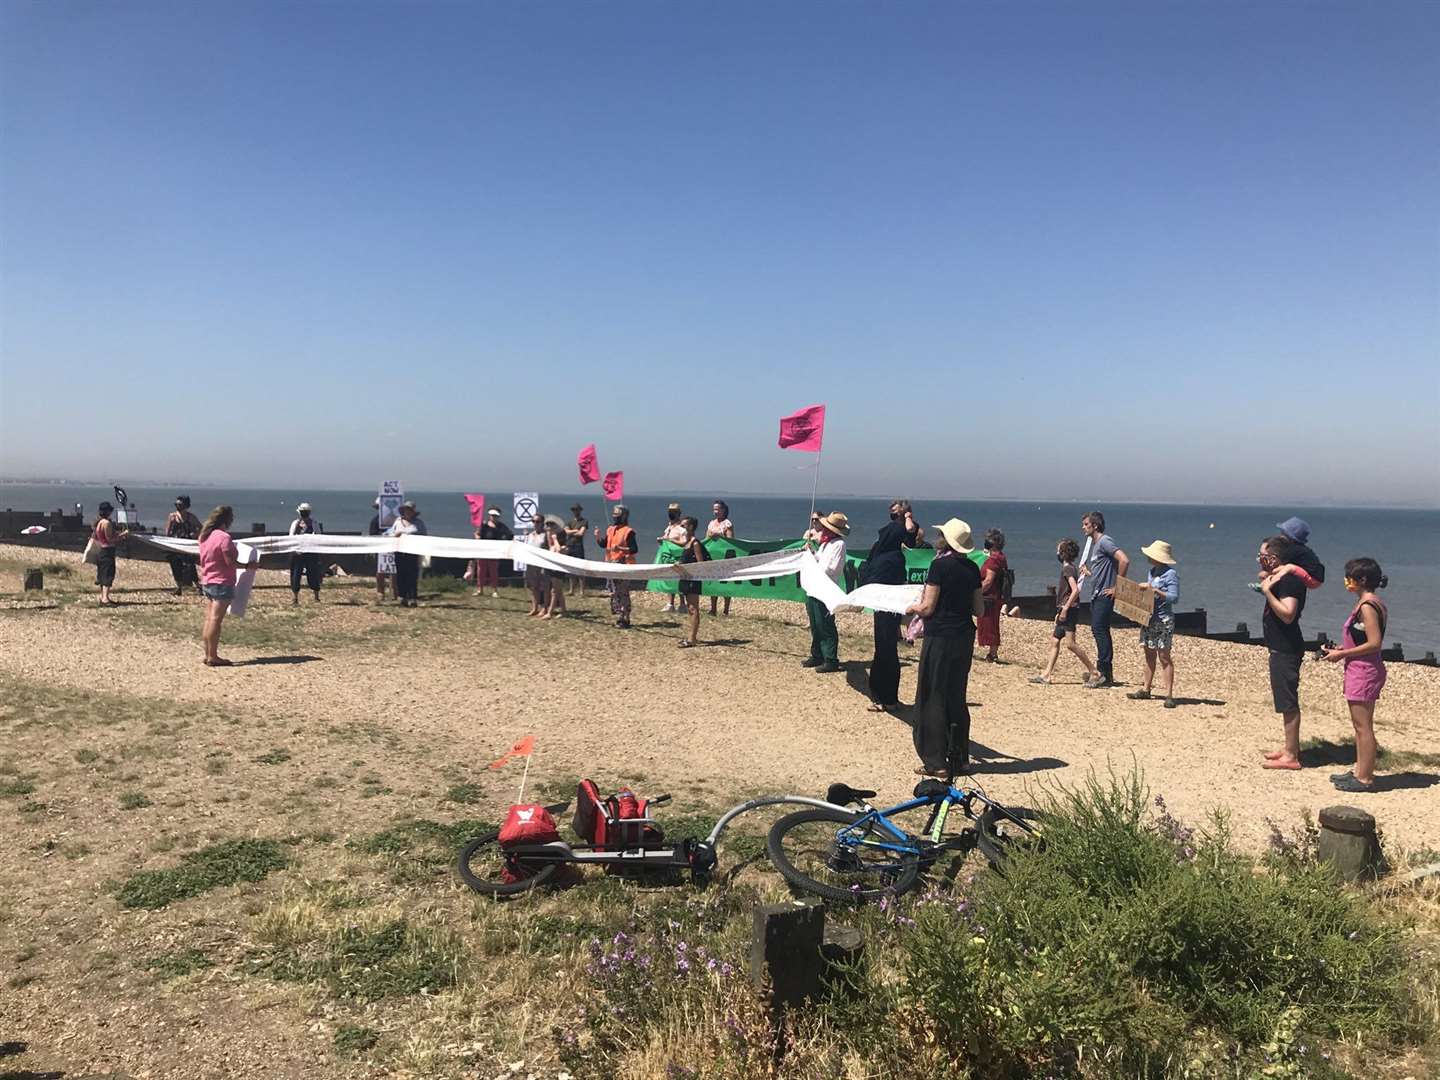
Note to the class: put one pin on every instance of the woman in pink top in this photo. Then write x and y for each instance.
(218, 561)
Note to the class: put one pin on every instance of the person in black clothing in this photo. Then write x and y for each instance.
(384, 562)
(941, 718)
(885, 565)
(1284, 601)
(183, 525)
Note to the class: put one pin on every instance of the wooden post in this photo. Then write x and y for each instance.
(843, 949)
(34, 578)
(1348, 840)
(786, 962)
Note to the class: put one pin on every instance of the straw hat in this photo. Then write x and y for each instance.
(672, 506)
(1159, 551)
(303, 508)
(837, 523)
(957, 535)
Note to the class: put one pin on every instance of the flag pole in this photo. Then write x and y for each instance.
(815, 483)
(524, 775)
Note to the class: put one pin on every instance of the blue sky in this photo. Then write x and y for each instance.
(1145, 250)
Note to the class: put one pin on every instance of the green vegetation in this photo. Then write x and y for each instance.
(181, 962)
(225, 863)
(16, 786)
(134, 800)
(418, 851)
(352, 1040)
(278, 756)
(86, 756)
(1386, 759)
(367, 959)
(465, 793)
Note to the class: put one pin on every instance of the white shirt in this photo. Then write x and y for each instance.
(831, 557)
(296, 526)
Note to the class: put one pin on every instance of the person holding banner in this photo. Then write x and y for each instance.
(104, 537)
(487, 571)
(219, 558)
(949, 605)
(720, 528)
(692, 551)
(824, 636)
(556, 542)
(407, 566)
(183, 525)
(384, 562)
(535, 580)
(307, 564)
(575, 531)
(621, 546)
(674, 533)
(885, 565)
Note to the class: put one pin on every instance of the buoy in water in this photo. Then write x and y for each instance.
(1212, 524)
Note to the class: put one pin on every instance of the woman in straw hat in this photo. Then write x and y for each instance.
(949, 605)
(824, 657)
(1159, 633)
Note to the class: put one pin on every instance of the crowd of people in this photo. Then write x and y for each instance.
(961, 606)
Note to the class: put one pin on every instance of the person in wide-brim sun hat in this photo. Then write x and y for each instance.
(1158, 635)
(831, 528)
(837, 523)
(957, 535)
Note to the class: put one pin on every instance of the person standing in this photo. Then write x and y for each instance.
(306, 563)
(219, 560)
(885, 565)
(535, 582)
(949, 604)
(673, 533)
(1104, 564)
(104, 537)
(556, 543)
(992, 587)
(824, 636)
(1284, 601)
(575, 531)
(621, 546)
(407, 565)
(692, 551)
(1067, 602)
(384, 561)
(1361, 642)
(183, 525)
(1158, 635)
(720, 527)
(487, 571)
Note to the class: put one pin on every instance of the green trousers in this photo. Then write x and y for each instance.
(824, 637)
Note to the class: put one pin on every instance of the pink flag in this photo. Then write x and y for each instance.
(803, 430)
(589, 466)
(614, 485)
(477, 509)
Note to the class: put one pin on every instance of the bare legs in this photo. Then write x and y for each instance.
(692, 605)
(1362, 715)
(713, 600)
(380, 582)
(210, 636)
(1289, 756)
(1074, 646)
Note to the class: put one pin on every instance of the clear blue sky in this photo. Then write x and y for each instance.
(1139, 250)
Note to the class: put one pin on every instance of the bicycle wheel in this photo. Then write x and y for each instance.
(815, 852)
(484, 864)
(1001, 829)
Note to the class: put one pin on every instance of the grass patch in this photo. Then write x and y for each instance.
(16, 786)
(352, 1040)
(417, 851)
(465, 793)
(225, 863)
(278, 756)
(176, 964)
(86, 756)
(134, 800)
(1343, 753)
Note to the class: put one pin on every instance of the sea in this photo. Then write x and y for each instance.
(1215, 545)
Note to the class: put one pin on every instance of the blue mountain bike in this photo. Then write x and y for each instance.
(844, 854)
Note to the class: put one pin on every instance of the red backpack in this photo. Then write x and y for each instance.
(528, 823)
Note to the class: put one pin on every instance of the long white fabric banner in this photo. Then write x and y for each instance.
(815, 582)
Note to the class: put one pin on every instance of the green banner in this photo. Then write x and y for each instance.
(917, 565)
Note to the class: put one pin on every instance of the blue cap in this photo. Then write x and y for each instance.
(1295, 529)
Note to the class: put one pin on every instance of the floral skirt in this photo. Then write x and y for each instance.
(1159, 632)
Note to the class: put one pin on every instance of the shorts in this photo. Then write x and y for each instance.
(1158, 633)
(105, 567)
(1285, 680)
(1364, 679)
(1067, 624)
(689, 588)
(218, 592)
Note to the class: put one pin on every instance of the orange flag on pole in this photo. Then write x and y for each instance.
(524, 748)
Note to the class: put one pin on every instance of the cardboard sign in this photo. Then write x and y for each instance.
(1133, 600)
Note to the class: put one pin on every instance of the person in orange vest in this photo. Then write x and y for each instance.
(620, 546)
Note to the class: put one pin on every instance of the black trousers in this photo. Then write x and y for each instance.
(885, 664)
(184, 570)
(407, 576)
(309, 566)
(942, 716)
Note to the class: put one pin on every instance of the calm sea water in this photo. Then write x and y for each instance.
(1215, 545)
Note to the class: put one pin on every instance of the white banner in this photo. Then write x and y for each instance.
(814, 580)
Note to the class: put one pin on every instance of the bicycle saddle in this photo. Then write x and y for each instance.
(926, 789)
(841, 794)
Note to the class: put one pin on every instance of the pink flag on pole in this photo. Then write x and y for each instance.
(614, 485)
(477, 509)
(803, 430)
(589, 465)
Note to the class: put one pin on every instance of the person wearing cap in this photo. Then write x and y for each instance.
(487, 571)
(1102, 563)
(104, 537)
(824, 636)
(1157, 635)
(1304, 563)
(674, 533)
(575, 530)
(407, 565)
(384, 561)
(306, 563)
(183, 525)
(621, 546)
(949, 605)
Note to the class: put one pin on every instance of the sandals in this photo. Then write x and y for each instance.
(686, 643)
(1040, 680)
(1348, 783)
(875, 706)
(1139, 695)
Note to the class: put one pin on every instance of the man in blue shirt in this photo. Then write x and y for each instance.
(1103, 564)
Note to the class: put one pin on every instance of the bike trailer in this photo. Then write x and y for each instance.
(619, 823)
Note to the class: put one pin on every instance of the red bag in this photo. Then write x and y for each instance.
(624, 808)
(590, 814)
(528, 823)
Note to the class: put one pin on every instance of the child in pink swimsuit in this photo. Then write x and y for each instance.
(1361, 640)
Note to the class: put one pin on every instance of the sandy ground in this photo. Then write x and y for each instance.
(380, 710)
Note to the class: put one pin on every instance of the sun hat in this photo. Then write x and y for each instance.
(1296, 529)
(956, 534)
(303, 508)
(494, 511)
(408, 505)
(837, 523)
(1159, 550)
